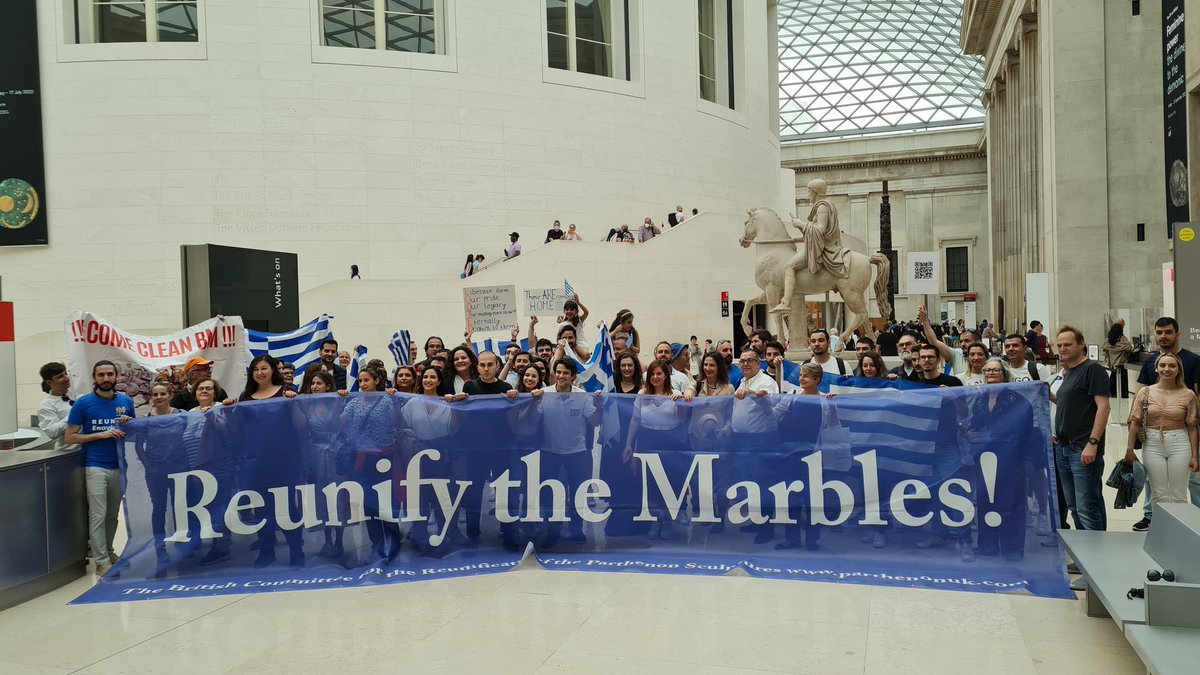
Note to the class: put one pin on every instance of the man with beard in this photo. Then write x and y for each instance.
(94, 423)
(725, 352)
(329, 354)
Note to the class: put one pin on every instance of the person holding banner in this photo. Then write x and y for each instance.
(980, 434)
(614, 468)
(656, 416)
(802, 425)
(319, 424)
(482, 467)
(871, 365)
(196, 369)
(370, 424)
(566, 412)
(429, 423)
(405, 380)
(94, 423)
(466, 368)
(160, 454)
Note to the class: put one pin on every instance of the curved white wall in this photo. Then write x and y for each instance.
(247, 140)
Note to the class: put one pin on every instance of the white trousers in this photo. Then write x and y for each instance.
(1166, 456)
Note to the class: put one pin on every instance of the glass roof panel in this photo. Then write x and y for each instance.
(901, 56)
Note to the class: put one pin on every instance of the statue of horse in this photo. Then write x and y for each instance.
(776, 246)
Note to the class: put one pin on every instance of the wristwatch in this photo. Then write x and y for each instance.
(1093, 441)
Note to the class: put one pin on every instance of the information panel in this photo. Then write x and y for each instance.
(22, 164)
(1175, 145)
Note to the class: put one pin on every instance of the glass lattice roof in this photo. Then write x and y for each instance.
(854, 67)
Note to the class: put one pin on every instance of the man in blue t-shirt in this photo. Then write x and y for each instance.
(94, 423)
(1166, 333)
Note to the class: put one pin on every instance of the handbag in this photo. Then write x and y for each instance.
(1141, 434)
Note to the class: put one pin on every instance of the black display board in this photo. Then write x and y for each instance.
(262, 287)
(1175, 114)
(22, 164)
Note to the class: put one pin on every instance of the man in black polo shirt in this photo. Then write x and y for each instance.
(484, 467)
(1166, 333)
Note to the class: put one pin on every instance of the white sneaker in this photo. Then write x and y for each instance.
(102, 568)
(1079, 584)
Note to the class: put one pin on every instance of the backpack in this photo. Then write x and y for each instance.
(672, 218)
(840, 363)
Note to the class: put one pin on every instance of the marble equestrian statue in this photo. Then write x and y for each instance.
(779, 257)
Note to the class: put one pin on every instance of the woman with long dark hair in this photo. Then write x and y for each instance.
(614, 471)
(370, 430)
(1117, 349)
(319, 423)
(656, 417)
(469, 268)
(405, 380)
(263, 381)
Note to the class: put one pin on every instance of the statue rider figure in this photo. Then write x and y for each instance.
(822, 240)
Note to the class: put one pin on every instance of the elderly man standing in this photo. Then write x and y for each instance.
(194, 370)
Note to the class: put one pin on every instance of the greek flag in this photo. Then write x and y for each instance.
(360, 359)
(567, 290)
(596, 374)
(400, 347)
(902, 427)
(498, 347)
(301, 347)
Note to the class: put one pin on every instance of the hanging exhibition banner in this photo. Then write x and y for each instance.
(142, 360)
(1175, 143)
(22, 160)
(927, 488)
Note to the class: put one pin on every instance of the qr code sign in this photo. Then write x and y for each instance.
(923, 269)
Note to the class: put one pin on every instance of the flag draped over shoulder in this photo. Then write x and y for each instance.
(596, 374)
(301, 347)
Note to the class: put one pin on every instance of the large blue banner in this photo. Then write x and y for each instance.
(936, 488)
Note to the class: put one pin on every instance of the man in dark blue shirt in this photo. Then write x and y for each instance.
(1166, 333)
(94, 423)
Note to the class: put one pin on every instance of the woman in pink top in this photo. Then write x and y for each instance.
(1168, 412)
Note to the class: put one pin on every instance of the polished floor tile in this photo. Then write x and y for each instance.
(532, 620)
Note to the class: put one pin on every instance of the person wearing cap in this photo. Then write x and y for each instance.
(514, 249)
(196, 369)
(681, 364)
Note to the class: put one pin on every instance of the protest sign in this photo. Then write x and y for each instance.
(780, 486)
(544, 301)
(142, 360)
(491, 309)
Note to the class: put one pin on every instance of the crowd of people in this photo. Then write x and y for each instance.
(647, 231)
(1163, 417)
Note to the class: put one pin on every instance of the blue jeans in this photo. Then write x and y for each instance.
(1082, 486)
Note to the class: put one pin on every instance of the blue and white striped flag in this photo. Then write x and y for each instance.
(903, 426)
(356, 363)
(567, 290)
(596, 374)
(301, 347)
(400, 347)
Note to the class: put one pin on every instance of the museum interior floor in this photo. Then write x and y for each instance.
(536, 621)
